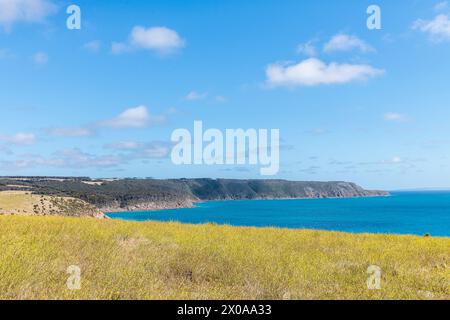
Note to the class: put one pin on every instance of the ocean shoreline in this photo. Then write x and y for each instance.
(194, 203)
(399, 213)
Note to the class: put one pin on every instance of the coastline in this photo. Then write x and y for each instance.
(371, 215)
(150, 206)
(193, 203)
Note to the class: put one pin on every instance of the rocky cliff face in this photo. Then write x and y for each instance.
(209, 189)
(184, 192)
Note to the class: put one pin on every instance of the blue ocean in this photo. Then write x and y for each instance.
(401, 213)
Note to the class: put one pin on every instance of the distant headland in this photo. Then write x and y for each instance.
(133, 194)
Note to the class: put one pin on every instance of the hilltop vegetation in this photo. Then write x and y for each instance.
(130, 194)
(149, 260)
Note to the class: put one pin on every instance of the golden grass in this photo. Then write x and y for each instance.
(150, 260)
(17, 202)
(27, 203)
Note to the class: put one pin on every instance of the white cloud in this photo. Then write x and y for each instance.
(40, 58)
(438, 28)
(142, 150)
(312, 72)
(71, 132)
(124, 145)
(194, 95)
(75, 158)
(344, 42)
(93, 46)
(441, 6)
(158, 39)
(394, 160)
(12, 11)
(153, 150)
(307, 48)
(138, 117)
(19, 138)
(395, 117)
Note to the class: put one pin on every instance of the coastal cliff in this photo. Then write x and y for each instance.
(224, 189)
(151, 194)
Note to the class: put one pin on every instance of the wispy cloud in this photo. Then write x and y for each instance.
(71, 132)
(441, 6)
(21, 138)
(124, 145)
(120, 47)
(31, 11)
(75, 158)
(313, 72)
(93, 46)
(221, 99)
(138, 117)
(194, 95)
(395, 117)
(40, 58)
(142, 150)
(438, 28)
(157, 39)
(393, 160)
(120, 154)
(345, 42)
(68, 158)
(307, 49)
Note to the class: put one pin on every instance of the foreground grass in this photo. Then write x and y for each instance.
(147, 260)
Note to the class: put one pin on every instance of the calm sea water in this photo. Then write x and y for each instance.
(402, 213)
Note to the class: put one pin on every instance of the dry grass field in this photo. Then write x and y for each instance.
(28, 204)
(149, 260)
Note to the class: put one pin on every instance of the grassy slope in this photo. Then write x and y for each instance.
(128, 260)
(17, 201)
(27, 203)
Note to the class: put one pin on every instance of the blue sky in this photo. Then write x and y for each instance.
(369, 106)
